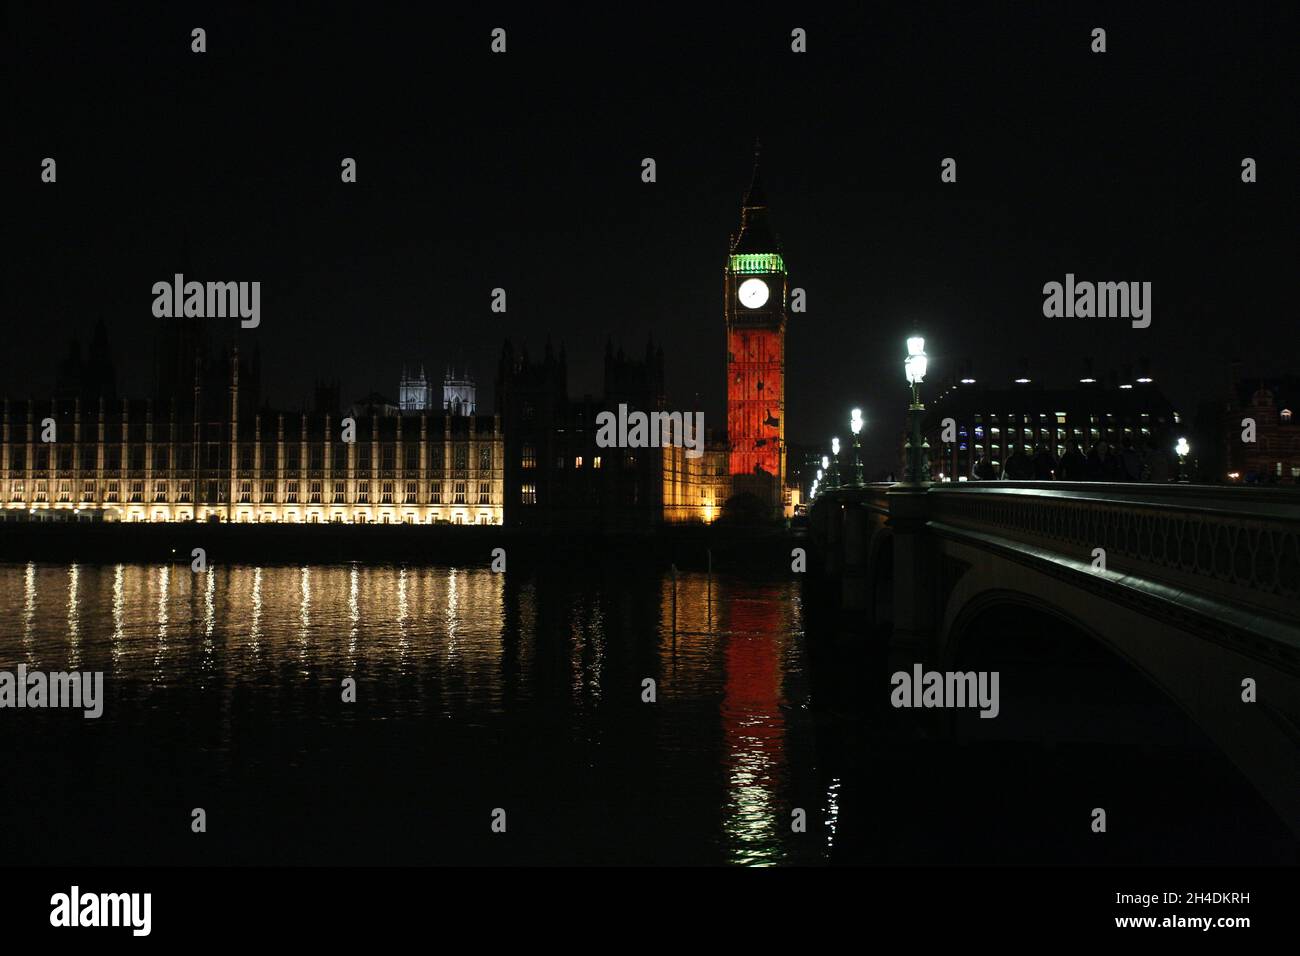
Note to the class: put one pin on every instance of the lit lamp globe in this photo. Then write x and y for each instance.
(835, 446)
(1182, 448)
(915, 363)
(855, 424)
(826, 463)
(819, 474)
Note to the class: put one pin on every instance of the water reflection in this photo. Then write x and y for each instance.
(527, 684)
(74, 619)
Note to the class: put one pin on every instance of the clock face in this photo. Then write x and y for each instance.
(752, 293)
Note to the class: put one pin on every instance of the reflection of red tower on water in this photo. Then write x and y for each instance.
(755, 287)
(753, 725)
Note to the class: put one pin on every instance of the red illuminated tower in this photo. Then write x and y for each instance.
(754, 295)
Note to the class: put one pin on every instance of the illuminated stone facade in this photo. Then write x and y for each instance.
(125, 461)
(755, 290)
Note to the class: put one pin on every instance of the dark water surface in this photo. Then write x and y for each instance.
(523, 691)
(474, 692)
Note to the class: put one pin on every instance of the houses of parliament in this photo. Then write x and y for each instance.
(204, 447)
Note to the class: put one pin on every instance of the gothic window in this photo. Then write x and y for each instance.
(484, 493)
(528, 494)
(529, 459)
(460, 493)
(410, 492)
(485, 458)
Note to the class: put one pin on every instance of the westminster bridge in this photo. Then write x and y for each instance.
(1194, 588)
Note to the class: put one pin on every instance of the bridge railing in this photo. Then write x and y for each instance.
(1240, 544)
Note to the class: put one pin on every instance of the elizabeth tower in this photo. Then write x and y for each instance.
(754, 292)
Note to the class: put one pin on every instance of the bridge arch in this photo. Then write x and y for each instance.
(1200, 671)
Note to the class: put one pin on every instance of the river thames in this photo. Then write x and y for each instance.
(527, 692)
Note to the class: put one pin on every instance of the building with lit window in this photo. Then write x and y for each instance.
(216, 455)
(1272, 406)
(994, 421)
(557, 476)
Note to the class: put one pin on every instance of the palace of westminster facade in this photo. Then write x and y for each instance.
(205, 448)
(215, 455)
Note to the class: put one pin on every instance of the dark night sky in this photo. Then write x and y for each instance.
(523, 171)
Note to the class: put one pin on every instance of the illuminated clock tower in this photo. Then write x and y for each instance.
(754, 295)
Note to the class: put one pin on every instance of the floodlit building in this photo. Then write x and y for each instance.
(214, 454)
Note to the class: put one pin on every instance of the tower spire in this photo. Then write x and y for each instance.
(754, 196)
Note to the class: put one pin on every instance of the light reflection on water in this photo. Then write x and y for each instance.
(477, 652)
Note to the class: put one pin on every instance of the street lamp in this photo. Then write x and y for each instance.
(855, 426)
(1182, 449)
(835, 462)
(917, 460)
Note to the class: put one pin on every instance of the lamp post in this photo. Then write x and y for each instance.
(835, 463)
(917, 459)
(855, 425)
(1182, 448)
